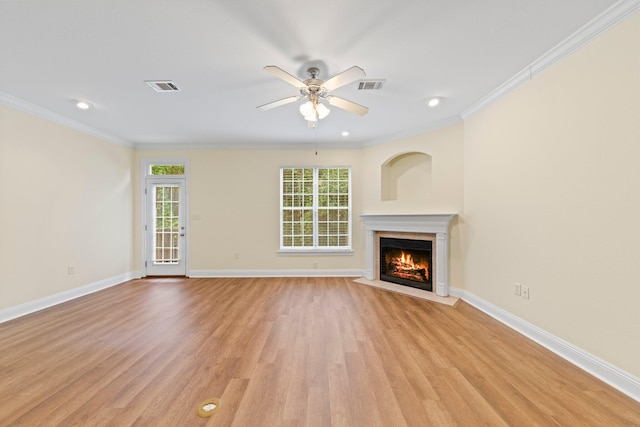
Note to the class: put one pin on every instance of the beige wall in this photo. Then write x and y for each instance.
(235, 194)
(552, 198)
(66, 200)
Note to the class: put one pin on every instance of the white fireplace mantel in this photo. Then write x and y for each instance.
(437, 224)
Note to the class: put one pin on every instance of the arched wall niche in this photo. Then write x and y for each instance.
(406, 176)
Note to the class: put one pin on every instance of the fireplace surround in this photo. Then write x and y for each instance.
(433, 227)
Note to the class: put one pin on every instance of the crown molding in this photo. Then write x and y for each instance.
(43, 113)
(240, 145)
(607, 19)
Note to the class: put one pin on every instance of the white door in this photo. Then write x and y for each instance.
(165, 227)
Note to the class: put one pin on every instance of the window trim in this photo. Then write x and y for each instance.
(316, 250)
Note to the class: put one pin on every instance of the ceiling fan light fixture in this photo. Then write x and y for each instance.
(322, 110)
(314, 111)
(308, 111)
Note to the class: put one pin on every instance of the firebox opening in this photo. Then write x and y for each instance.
(406, 262)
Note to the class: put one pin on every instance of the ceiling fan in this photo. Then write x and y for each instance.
(315, 90)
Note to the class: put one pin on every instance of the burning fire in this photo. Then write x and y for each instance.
(407, 260)
(405, 267)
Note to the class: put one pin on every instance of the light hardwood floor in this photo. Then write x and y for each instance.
(285, 352)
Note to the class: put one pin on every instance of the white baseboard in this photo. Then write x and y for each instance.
(51, 300)
(615, 377)
(277, 273)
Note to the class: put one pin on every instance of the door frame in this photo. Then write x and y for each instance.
(145, 166)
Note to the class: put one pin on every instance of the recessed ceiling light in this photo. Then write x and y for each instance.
(345, 133)
(83, 105)
(432, 102)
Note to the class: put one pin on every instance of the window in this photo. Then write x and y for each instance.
(315, 208)
(166, 169)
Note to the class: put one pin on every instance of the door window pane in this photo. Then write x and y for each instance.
(166, 224)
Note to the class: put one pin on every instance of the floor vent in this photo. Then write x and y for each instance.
(371, 84)
(162, 85)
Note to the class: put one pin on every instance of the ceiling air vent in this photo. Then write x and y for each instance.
(162, 85)
(371, 84)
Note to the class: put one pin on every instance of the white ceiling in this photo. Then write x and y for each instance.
(102, 51)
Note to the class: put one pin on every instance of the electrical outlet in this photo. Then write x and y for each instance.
(71, 270)
(516, 288)
(236, 255)
(525, 292)
(315, 264)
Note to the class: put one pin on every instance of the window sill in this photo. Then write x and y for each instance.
(315, 252)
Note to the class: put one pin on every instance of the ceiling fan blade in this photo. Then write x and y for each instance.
(352, 74)
(347, 105)
(282, 74)
(278, 103)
